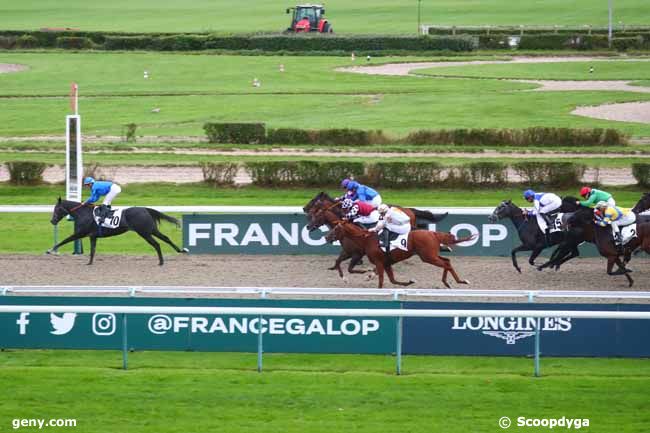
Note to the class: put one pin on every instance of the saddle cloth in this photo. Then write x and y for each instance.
(628, 233)
(556, 223)
(400, 242)
(112, 221)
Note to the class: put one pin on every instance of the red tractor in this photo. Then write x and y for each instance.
(309, 18)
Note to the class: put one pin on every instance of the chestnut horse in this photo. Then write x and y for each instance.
(424, 243)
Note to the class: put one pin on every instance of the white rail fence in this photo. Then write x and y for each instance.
(322, 292)
(332, 312)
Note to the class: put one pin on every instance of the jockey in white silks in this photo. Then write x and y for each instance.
(544, 204)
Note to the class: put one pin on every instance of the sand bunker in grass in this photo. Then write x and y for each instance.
(6, 68)
(638, 112)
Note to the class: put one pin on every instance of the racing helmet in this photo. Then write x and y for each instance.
(585, 191)
(89, 181)
(345, 182)
(383, 208)
(602, 205)
(529, 193)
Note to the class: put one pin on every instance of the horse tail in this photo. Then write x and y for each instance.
(428, 216)
(157, 216)
(449, 239)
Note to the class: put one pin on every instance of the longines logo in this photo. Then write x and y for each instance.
(510, 329)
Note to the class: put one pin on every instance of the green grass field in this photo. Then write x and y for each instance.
(181, 392)
(33, 233)
(362, 16)
(190, 90)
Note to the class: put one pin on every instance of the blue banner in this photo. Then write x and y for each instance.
(560, 336)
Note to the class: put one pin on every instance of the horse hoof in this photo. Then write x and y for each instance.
(539, 268)
(464, 281)
(345, 280)
(185, 251)
(518, 270)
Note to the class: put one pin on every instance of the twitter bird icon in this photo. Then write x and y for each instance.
(62, 325)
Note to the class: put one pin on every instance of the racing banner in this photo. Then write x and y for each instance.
(288, 234)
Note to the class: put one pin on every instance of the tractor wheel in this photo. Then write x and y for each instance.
(327, 28)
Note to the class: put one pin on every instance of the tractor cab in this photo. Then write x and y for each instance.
(308, 18)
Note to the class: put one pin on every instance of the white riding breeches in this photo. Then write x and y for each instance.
(626, 220)
(112, 193)
(370, 219)
(399, 228)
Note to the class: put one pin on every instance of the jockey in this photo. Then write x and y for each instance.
(360, 212)
(98, 189)
(617, 217)
(395, 222)
(363, 193)
(593, 196)
(545, 203)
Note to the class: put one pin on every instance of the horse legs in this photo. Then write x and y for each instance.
(379, 268)
(70, 238)
(444, 263)
(356, 258)
(391, 277)
(514, 252)
(149, 238)
(343, 255)
(93, 246)
(536, 252)
(621, 269)
(165, 239)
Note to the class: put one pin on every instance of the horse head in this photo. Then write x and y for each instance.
(59, 212)
(643, 204)
(506, 209)
(313, 201)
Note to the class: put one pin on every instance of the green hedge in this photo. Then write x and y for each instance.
(302, 173)
(539, 136)
(555, 174)
(404, 174)
(74, 42)
(238, 133)
(626, 43)
(219, 174)
(641, 172)
(25, 172)
(263, 43)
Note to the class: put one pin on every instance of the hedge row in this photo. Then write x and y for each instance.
(396, 174)
(248, 133)
(198, 42)
(26, 172)
(641, 172)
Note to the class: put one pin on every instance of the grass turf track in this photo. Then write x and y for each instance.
(181, 392)
(33, 234)
(361, 16)
(579, 71)
(190, 90)
(171, 159)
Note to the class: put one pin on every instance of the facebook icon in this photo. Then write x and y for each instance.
(22, 323)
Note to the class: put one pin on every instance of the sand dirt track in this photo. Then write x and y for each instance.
(304, 271)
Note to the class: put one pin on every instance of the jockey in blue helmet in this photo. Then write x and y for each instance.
(361, 192)
(545, 204)
(102, 188)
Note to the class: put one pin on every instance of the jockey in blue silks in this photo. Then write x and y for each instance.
(102, 188)
(357, 191)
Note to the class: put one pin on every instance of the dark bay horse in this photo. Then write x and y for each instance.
(532, 238)
(424, 243)
(643, 204)
(142, 220)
